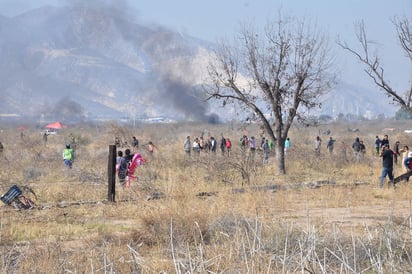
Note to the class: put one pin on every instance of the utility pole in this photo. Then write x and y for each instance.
(111, 172)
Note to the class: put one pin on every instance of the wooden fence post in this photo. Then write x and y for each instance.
(111, 172)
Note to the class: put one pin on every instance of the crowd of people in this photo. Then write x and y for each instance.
(390, 158)
(201, 145)
(210, 145)
(358, 147)
(127, 162)
(390, 155)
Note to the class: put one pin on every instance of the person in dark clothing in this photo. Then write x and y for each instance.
(377, 145)
(121, 168)
(387, 164)
(385, 140)
(330, 145)
(135, 143)
(222, 145)
(128, 156)
(362, 149)
(396, 152)
(213, 145)
(356, 149)
(266, 149)
(45, 138)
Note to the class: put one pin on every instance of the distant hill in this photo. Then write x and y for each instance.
(110, 66)
(79, 63)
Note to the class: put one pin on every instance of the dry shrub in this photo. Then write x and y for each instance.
(212, 214)
(184, 226)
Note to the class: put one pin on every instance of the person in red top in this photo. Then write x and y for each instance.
(228, 146)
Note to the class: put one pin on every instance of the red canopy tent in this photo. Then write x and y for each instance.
(55, 125)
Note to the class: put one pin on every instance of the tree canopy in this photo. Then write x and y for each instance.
(281, 71)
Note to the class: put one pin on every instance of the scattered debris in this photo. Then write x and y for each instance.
(155, 196)
(403, 177)
(14, 197)
(317, 184)
(353, 129)
(238, 190)
(326, 132)
(274, 188)
(64, 204)
(206, 194)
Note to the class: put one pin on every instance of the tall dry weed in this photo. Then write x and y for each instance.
(210, 213)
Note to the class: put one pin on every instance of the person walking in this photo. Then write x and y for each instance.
(266, 151)
(407, 164)
(128, 156)
(330, 145)
(287, 145)
(135, 143)
(121, 168)
(228, 146)
(222, 145)
(196, 147)
(377, 145)
(187, 147)
(396, 152)
(252, 147)
(318, 143)
(343, 148)
(243, 144)
(405, 153)
(385, 140)
(213, 145)
(387, 164)
(356, 149)
(362, 149)
(68, 156)
(45, 138)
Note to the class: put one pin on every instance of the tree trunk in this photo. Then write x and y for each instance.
(280, 157)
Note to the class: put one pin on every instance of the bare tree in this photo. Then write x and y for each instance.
(373, 67)
(282, 72)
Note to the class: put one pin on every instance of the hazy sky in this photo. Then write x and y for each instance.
(214, 19)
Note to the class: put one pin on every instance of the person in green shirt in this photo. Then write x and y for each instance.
(68, 156)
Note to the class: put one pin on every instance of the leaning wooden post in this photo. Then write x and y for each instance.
(111, 172)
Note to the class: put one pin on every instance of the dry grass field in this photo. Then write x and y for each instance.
(211, 214)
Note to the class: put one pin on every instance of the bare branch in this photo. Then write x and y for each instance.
(372, 64)
(404, 30)
(279, 71)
